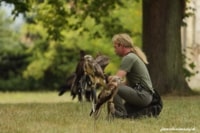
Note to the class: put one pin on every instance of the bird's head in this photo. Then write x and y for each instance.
(88, 64)
(88, 58)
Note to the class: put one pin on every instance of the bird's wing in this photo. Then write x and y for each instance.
(102, 60)
(104, 96)
(69, 83)
(98, 70)
(79, 73)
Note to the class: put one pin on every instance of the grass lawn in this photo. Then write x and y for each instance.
(46, 112)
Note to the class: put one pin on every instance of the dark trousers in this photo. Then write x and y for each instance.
(127, 99)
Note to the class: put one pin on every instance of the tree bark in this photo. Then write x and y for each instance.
(162, 44)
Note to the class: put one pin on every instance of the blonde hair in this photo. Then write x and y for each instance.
(126, 41)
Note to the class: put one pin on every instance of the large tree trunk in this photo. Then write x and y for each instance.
(162, 44)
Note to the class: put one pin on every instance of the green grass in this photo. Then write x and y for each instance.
(46, 112)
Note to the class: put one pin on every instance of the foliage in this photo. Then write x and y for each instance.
(55, 31)
(13, 59)
(189, 67)
(55, 15)
(21, 6)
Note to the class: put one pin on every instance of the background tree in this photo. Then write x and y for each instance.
(162, 21)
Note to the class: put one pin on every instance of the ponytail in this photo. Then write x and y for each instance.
(140, 54)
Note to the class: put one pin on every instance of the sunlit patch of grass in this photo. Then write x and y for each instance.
(45, 115)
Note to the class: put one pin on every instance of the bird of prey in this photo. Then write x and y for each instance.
(93, 70)
(95, 73)
(76, 88)
(88, 76)
(106, 95)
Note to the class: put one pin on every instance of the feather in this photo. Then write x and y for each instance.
(79, 73)
(102, 60)
(69, 82)
(106, 95)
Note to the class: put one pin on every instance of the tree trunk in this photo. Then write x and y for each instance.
(162, 44)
